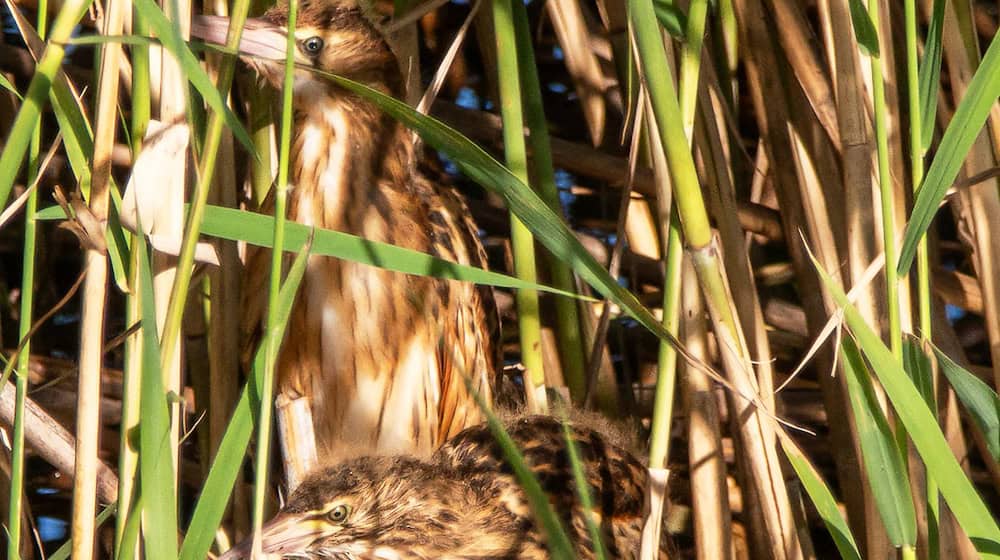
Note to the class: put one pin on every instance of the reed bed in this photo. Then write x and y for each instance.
(761, 235)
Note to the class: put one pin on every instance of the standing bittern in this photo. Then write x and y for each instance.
(381, 355)
(463, 502)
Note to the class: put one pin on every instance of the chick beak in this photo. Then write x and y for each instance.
(260, 39)
(285, 534)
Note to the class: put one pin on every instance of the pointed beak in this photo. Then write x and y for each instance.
(260, 39)
(285, 534)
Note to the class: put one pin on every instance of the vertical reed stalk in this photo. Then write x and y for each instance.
(529, 320)
(26, 314)
(923, 263)
(274, 285)
(667, 359)
(128, 460)
(666, 380)
(887, 197)
(729, 36)
(95, 296)
(571, 347)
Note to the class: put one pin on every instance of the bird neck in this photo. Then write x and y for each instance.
(349, 157)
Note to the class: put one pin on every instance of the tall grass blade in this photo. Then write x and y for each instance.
(671, 17)
(970, 115)
(977, 397)
(156, 480)
(64, 551)
(19, 135)
(78, 139)
(864, 28)
(584, 493)
(930, 73)
(822, 499)
(257, 229)
(918, 366)
(5, 83)
(957, 489)
(886, 467)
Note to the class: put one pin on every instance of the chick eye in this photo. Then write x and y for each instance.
(312, 45)
(339, 513)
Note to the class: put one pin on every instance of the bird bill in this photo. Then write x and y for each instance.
(260, 38)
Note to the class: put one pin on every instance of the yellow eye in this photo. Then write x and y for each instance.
(312, 45)
(339, 513)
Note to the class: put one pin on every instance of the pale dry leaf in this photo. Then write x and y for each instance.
(834, 322)
(154, 195)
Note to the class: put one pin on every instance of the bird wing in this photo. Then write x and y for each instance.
(467, 352)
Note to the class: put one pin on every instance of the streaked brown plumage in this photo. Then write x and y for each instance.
(463, 502)
(381, 355)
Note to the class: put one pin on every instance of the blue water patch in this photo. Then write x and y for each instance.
(51, 529)
(564, 179)
(557, 87)
(953, 312)
(467, 98)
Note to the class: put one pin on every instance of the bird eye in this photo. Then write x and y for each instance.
(339, 513)
(312, 45)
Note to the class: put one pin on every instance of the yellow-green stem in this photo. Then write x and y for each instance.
(273, 340)
(663, 98)
(23, 357)
(529, 320)
(128, 460)
(666, 379)
(571, 346)
(691, 63)
(729, 35)
(887, 197)
(666, 382)
(24, 326)
(923, 265)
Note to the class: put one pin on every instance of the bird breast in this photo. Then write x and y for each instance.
(365, 344)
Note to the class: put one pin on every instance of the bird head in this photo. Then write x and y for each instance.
(363, 508)
(335, 36)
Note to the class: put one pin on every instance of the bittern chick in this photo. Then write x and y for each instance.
(463, 502)
(381, 355)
